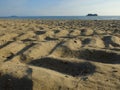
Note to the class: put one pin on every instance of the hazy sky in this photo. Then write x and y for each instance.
(58, 7)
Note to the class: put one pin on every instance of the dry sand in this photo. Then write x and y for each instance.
(59, 55)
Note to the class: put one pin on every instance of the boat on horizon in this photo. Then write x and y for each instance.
(92, 14)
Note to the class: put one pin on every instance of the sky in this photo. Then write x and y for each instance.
(59, 7)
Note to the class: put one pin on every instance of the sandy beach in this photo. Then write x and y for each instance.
(59, 54)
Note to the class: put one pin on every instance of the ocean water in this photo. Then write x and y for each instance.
(65, 17)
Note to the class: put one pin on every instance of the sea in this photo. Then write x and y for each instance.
(64, 17)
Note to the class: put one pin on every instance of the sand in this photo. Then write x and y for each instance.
(59, 54)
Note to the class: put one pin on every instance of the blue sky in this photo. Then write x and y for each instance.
(58, 7)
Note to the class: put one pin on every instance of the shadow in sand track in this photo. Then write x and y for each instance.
(66, 67)
(40, 32)
(56, 47)
(99, 56)
(8, 82)
(102, 56)
(50, 39)
(26, 48)
(96, 55)
(4, 45)
(27, 40)
(15, 38)
(20, 52)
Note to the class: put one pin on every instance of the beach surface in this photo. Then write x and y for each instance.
(59, 54)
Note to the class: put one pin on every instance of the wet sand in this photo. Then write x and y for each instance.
(59, 54)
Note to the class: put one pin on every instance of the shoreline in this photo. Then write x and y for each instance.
(65, 17)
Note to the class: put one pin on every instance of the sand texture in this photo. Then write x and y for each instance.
(59, 55)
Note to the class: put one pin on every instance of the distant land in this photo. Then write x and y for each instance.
(13, 16)
(92, 14)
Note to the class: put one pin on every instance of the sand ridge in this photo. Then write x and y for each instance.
(59, 54)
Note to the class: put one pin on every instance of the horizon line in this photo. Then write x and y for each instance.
(51, 15)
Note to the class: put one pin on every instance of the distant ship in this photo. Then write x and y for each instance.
(92, 15)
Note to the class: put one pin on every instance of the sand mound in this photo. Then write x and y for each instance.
(16, 69)
(11, 49)
(100, 32)
(73, 44)
(86, 32)
(15, 77)
(112, 40)
(62, 33)
(25, 36)
(75, 33)
(8, 82)
(95, 42)
(38, 50)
